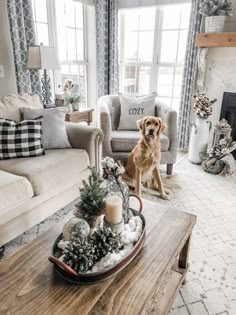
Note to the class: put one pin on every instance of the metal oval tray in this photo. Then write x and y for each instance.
(95, 277)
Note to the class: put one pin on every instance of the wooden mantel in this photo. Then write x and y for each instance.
(215, 39)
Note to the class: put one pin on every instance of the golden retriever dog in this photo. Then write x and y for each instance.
(143, 162)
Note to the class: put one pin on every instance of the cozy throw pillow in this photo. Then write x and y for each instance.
(134, 108)
(21, 139)
(53, 127)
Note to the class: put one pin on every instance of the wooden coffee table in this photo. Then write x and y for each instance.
(29, 284)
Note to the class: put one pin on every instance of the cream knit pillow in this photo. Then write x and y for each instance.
(134, 108)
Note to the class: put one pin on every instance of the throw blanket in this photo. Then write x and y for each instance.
(225, 166)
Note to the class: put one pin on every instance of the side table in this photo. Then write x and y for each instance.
(82, 115)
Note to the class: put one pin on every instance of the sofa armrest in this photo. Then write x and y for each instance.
(87, 138)
(104, 122)
(169, 116)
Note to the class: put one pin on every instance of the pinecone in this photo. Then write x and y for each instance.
(105, 241)
(80, 255)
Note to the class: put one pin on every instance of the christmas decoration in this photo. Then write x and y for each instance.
(76, 227)
(112, 172)
(202, 105)
(215, 7)
(219, 159)
(131, 234)
(105, 241)
(92, 195)
(80, 255)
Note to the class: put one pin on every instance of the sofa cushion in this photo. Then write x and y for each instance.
(44, 172)
(14, 190)
(53, 119)
(125, 141)
(21, 139)
(10, 105)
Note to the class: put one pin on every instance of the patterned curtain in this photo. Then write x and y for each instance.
(20, 16)
(107, 47)
(188, 78)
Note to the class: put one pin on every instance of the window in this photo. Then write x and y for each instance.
(152, 50)
(65, 21)
(41, 21)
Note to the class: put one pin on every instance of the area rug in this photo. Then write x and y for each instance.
(211, 280)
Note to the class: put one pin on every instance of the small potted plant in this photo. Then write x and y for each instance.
(74, 100)
(215, 12)
(92, 199)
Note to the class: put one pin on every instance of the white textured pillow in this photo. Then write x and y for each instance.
(134, 108)
(53, 127)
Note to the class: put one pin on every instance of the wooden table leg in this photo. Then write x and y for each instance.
(184, 254)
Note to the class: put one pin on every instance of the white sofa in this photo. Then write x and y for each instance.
(31, 189)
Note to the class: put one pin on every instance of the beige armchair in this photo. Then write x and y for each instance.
(118, 144)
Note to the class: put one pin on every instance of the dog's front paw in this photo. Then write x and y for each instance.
(164, 196)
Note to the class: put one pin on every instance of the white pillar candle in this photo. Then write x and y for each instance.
(113, 212)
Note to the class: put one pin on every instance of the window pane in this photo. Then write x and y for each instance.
(71, 48)
(65, 69)
(147, 19)
(70, 13)
(171, 17)
(131, 45)
(78, 14)
(131, 18)
(143, 80)
(74, 69)
(178, 81)
(164, 100)
(129, 79)
(145, 49)
(182, 45)
(165, 81)
(80, 44)
(175, 104)
(83, 83)
(169, 46)
(40, 11)
(42, 32)
(62, 47)
(185, 15)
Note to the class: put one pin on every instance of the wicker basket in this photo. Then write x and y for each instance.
(214, 24)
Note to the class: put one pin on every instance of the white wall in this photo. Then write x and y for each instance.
(8, 83)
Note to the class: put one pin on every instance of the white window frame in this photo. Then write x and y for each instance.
(88, 16)
(155, 64)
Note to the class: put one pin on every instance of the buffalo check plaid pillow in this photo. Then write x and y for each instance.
(21, 139)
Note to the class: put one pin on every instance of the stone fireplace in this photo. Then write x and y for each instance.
(228, 111)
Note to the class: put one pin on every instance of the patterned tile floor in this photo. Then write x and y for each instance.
(211, 281)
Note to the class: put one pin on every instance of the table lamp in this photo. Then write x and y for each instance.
(45, 58)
